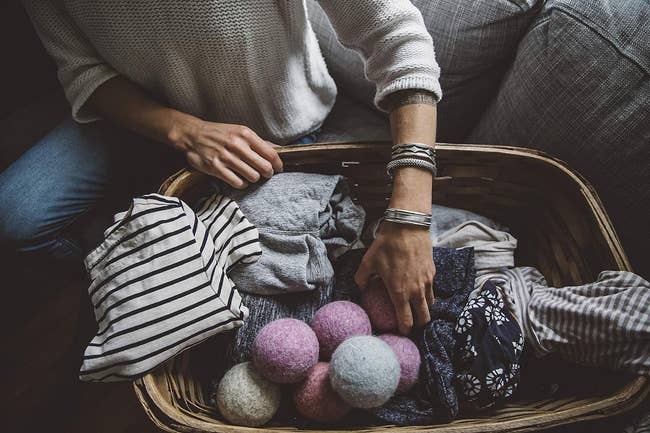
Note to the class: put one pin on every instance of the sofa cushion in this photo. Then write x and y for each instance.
(579, 89)
(474, 41)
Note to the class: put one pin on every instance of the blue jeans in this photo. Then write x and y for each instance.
(58, 197)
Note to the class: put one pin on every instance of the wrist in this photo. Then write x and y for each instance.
(182, 130)
(412, 189)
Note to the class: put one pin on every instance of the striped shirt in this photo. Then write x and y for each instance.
(159, 282)
(605, 323)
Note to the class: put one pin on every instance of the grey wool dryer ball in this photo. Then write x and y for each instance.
(245, 397)
(364, 371)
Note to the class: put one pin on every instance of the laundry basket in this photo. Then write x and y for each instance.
(562, 229)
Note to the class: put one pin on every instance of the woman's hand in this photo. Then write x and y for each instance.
(232, 153)
(402, 257)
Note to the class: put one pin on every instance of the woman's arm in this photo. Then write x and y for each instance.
(399, 57)
(223, 150)
(402, 255)
(94, 89)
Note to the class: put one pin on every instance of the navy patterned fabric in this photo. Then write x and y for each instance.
(436, 398)
(490, 346)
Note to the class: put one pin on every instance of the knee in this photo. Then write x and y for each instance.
(23, 217)
(19, 221)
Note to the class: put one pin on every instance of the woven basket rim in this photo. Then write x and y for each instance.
(631, 394)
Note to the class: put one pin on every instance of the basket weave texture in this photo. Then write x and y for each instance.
(561, 226)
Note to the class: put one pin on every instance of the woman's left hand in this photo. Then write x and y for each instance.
(402, 257)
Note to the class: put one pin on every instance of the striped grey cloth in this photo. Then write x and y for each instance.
(159, 283)
(605, 323)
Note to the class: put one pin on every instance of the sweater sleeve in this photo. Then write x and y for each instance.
(79, 67)
(391, 37)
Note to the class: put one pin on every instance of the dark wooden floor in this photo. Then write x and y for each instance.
(47, 334)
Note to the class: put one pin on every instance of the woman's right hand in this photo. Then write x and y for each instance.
(232, 153)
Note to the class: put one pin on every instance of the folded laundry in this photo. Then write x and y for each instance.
(302, 218)
(605, 323)
(491, 343)
(159, 283)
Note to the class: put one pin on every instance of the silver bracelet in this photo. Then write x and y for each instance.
(402, 216)
(412, 146)
(411, 162)
(405, 149)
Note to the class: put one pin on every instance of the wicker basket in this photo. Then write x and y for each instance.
(562, 229)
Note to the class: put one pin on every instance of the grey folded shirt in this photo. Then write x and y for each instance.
(302, 218)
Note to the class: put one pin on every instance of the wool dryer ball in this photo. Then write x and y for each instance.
(246, 398)
(285, 350)
(336, 321)
(409, 359)
(364, 371)
(381, 311)
(315, 399)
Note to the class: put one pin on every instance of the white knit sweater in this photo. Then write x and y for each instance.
(249, 62)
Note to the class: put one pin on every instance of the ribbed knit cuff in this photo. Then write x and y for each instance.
(407, 97)
(81, 89)
(422, 83)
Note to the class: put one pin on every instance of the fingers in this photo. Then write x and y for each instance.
(215, 168)
(257, 153)
(241, 168)
(362, 277)
(402, 311)
(266, 151)
(421, 309)
(254, 160)
(428, 293)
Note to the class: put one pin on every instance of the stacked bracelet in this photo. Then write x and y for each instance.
(412, 155)
(401, 216)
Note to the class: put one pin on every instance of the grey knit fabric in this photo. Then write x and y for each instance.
(252, 63)
(304, 219)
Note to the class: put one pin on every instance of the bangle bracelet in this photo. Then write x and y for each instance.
(402, 216)
(411, 162)
(412, 155)
(412, 146)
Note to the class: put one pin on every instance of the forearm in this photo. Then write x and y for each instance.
(412, 187)
(127, 105)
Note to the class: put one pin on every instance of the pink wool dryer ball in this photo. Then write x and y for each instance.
(380, 309)
(336, 321)
(285, 350)
(316, 399)
(409, 359)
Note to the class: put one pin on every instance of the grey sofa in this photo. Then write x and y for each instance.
(569, 77)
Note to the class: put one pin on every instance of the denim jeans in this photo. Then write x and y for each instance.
(73, 170)
(58, 197)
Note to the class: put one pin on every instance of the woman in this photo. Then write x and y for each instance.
(220, 82)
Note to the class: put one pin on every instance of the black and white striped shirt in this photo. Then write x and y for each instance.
(159, 282)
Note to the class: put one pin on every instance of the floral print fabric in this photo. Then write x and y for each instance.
(490, 343)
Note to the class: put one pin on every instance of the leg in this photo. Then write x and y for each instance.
(66, 175)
